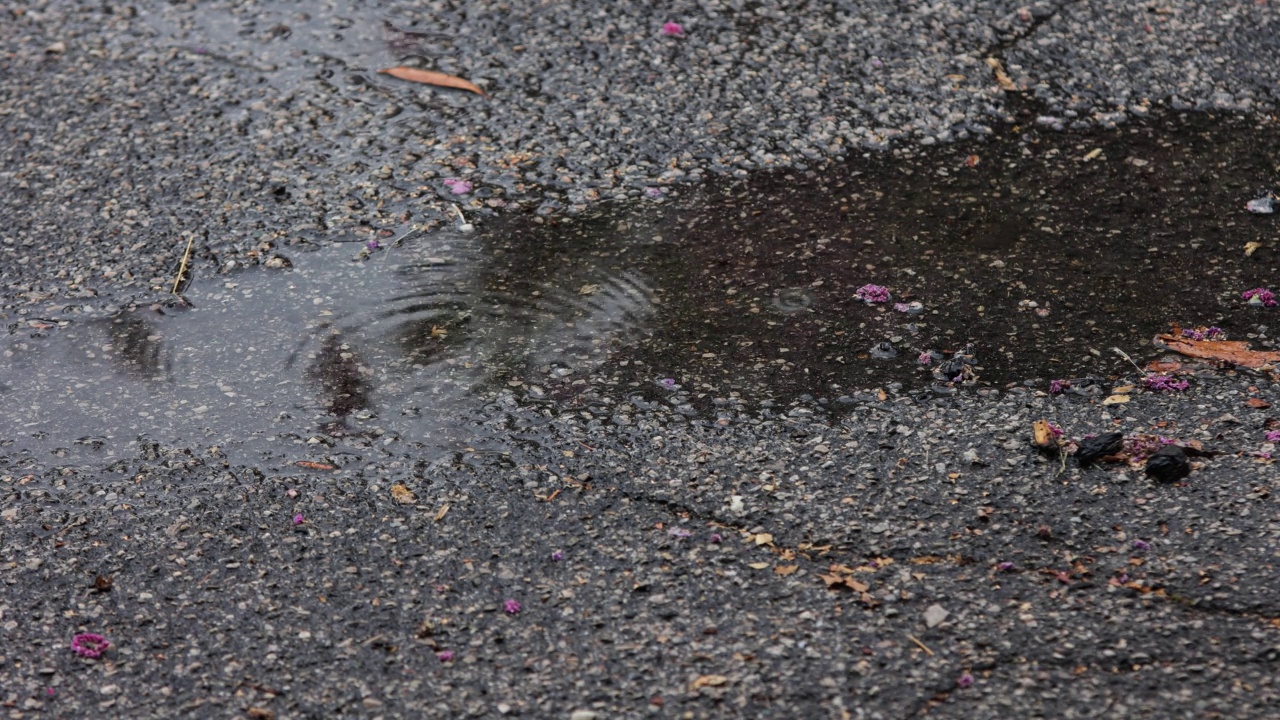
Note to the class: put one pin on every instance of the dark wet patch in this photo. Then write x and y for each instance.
(1030, 256)
(1043, 249)
(385, 349)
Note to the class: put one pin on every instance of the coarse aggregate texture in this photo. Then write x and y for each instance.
(1099, 63)
(694, 562)
(130, 129)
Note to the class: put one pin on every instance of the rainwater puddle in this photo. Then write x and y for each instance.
(390, 346)
(1028, 256)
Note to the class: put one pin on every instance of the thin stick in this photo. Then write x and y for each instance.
(182, 269)
(923, 647)
(1125, 355)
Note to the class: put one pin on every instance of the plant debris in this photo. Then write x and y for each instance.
(431, 77)
(1092, 449)
(1235, 352)
(1168, 464)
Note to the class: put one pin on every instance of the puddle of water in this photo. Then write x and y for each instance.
(1032, 255)
(393, 347)
(1029, 256)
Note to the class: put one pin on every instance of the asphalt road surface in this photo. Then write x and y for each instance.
(379, 464)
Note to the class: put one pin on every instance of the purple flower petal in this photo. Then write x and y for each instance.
(511, 607)
(444, 655)
(1141, 545)
(1164, 383)
(1260, 296)
(872, 294)
(89, 645)
(297, 519)
(965, 681)
(673, 29)
(458, 186)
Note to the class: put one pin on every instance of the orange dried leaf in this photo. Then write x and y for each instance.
(785, 570)
(1235, 352)
(708, 681)
(1042, 436)
(831, 580)
(431, 77)
(856, 586)
(1258, 403)
(310, 465)
(403, 495)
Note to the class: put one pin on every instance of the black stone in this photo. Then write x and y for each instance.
(1091, 449)
(1169, 464)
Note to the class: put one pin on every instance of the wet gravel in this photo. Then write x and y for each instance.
(972, 576)
(686, 549)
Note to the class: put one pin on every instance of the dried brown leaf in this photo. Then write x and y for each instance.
(403, 495)
(431, 77)
(1042, 436)
(1235, 352)
(311, 465)
(708, 681)
(832, 580)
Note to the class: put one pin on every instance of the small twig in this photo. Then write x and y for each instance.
(397, 242)
(463, 225)
(923, 647)
(182, 269)
(1125, 355)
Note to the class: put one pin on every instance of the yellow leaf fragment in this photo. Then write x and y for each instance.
(763, 539)
(1116, 400)
(444, 510)
(1002, 77)
(1042, 435)
(1250, 247)
(757, 566)
(431, 77)
(1093, 153)
(708, 681)
(403, 495)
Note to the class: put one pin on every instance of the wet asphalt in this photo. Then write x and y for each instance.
(673, 482)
